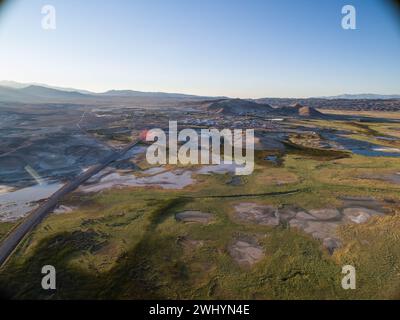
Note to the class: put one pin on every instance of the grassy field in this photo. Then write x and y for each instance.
(5, 227)
(125, 243)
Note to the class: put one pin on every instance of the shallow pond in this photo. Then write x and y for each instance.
(16, 204)
(361, 147)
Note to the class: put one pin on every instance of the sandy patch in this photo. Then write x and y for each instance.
(189, 244)
(390, 177)
(321, 224)
(5, 189)
(252, 212)
(194, 216)
(15, 205)
(219, 168)
(63, 209)
(359, 215)
(325, 214)
(246, 253)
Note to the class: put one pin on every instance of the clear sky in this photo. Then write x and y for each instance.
(237, 48)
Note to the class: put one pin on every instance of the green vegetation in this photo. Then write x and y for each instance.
(5, 228)
(127, 244)
(374, 250)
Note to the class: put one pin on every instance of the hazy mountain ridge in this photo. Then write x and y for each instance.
(30, 93)
(15, 92)
(14, 95)
(18, 85)
(362, 96)
(40, 91)
(133, 93)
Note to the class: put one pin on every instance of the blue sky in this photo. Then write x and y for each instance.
(237, 48)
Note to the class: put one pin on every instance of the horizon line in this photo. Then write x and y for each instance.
(89, 91)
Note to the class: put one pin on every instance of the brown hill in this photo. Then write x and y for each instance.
(309, 112)
(239, 107)
(298, 110)
(305, 111)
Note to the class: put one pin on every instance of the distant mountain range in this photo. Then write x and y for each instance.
(38, 89)
(11, 91)
(363, 96)
(14, 92)
(18, 85)
(37, 94)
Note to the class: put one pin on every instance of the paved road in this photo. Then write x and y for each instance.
(35, 217)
